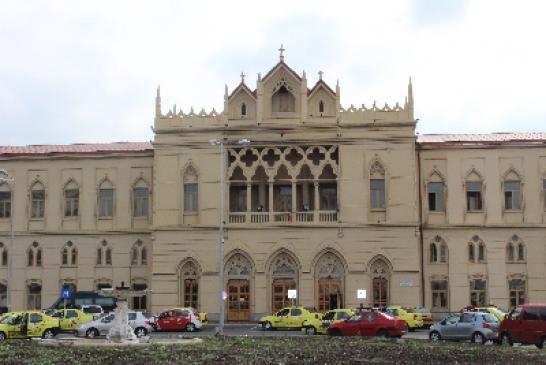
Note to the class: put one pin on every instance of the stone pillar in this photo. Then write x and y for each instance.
(271, 207)
(317, 207)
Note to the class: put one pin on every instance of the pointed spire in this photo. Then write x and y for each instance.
(281, 53)
(337, 86)
(158, 102)
(259, 76)
(304, 75)
(410, 99)
(226, 97)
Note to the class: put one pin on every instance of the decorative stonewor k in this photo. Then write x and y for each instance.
(121, 332)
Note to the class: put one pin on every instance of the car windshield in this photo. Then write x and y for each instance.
(329, 316)
(7, 320)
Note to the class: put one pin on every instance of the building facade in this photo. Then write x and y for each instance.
(322, 199)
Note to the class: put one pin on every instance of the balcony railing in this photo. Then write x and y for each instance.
(237, 218)
(259, 217)
(328, 216)
(283, 217)
(304, 216)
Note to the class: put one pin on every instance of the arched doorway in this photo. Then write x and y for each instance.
(284, 277)
(238, 273)
(330, 278)
(380, 271)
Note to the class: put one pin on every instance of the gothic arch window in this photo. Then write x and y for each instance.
(328, 189)
(330, 279)
(377, 186)
(321, 107)
(141, 199)
(474, 192)
(34, 255)
(515, 250)
(71, 199)
(104, 254)
(380, 270)
(433, 252)
(188, 276)
(512, 191)
(237, 191)
(243, 109)
(139, 254)
(69, 254)
(37, 200)
(5, 201)
(438, 250)
(284, 277)
(238, 266)
(282, 192)
(191, 192)
(471, 252)
(3, 255)
(260, 190)
(283, 101)
(481, 252)
(105, 201)
(436, 193)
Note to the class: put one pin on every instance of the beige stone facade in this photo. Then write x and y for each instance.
(325, 200)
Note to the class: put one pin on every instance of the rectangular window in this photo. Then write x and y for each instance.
(473, 196)
(478, 293)
(377, 193)
(140, 202)
(439, 293)
(71, 202)
(517, 292)
(34, 297)
(237, 198)
(328, 196)
(139, 303)
(190, 197)
(5, 204)
(37, 205)
(106, 202)
(435, 196)
(512, 195)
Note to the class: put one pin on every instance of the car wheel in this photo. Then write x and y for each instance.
(310, 331)
(2, 336)
(335, 332)
(542, 343)
(91, 333)
(411, 329)
(268, 326)
(48, 333)
(382, 333)
(141, 332)
(478, 337)
(506, 340)
(435, 336)
(190, 327)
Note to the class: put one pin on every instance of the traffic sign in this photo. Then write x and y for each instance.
(66, 293)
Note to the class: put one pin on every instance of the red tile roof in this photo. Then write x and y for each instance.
(76, 148)
(483, 138)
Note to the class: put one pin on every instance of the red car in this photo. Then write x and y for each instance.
(525, 324)
(178, 320)
(372, 323)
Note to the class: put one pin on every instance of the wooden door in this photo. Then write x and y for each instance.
(329, 295)
(380, 292)
(238, 300)
(280, 293)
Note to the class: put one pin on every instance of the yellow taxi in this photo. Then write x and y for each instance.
(412, 319)
(425, 315)
(320, 325)
(70, 319)
(289, 317)
(491, 309)
(28, 324)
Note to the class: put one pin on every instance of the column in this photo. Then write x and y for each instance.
(271, 207)
(294, 207)
(317, 207)
(248, 202)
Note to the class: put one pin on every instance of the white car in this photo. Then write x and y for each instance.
(101, 327)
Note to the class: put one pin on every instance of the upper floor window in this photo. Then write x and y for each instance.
(435, 196)
(5, 201)
(139, 254)
(377, 186)
(476, 244)
(190, 190)
(106, 199)
(515, 250)
(544, 192)
(141, 196)
(321, 106)
(473, 196)
(282, 100)
(37, 200)
(71, 199)
(69, 254)
(243, 109)
(328, 189)
(34, 255)
(4, 255)
(438, 250)
(512, 194)
(104, 254)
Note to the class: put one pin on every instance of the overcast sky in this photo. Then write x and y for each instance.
(86, 71)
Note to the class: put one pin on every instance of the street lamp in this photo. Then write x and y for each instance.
(221, 143)
(6, 178)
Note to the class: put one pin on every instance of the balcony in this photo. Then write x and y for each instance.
(314, 217)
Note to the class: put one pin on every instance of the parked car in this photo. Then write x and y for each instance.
(425, 315)
(70, 319)
(412, 319)
(28, 324)
(314, 325)
(369, 323)
(289, 317)
(178, 319)
(80, 298)
(525, 324)
(474, 326)
(93, 309)
(491, 309)
(102, 326)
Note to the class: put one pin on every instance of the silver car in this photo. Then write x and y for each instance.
(474, 326)
(102, 326)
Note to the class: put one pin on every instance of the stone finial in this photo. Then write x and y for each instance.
(259, 76)
(304, 75)
(320, 73)
(158, 102)
(281, 53)
(242, 77)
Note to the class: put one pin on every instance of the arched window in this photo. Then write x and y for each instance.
(191, 192)
(139, 255)
(71, 199)
(34, 255)
(37, 201)
(515, 249)
(5, 201)
(69, 255)
(438, 250)
(106, 199)
(4, 254)
(433, 253)
(282, 100)
(243, 109)
(521, 252)
(377, 186)
(3, 294)
(104, 254)
(481, 252)
(321, 107)
(443, 252)
(510, 252)
(471, 253)
(141, 195)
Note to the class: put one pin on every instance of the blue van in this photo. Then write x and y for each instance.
(80, 298)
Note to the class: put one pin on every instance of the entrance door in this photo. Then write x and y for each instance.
(380, 292)
(330, 295)
(280, 293)
(238, 300)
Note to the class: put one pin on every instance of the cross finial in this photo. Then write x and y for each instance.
(281, 50)
(320, 73)
(242, 76)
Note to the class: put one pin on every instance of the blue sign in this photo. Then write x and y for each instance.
(67, 293)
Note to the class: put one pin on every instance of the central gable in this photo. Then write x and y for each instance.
(282, 92)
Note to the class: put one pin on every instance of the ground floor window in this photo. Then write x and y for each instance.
(439, 293)
(478, 293)
(34, 296)
(3, 295)
(191, 293)
(517, 292)
(139, 302)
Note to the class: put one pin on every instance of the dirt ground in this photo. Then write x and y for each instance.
(277, 350)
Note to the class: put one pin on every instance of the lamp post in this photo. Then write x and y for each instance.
(6, 178)
(221, 143)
